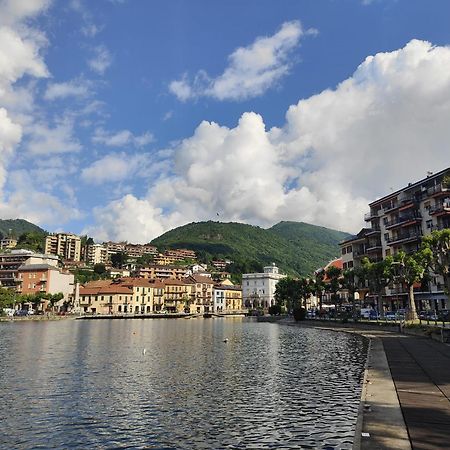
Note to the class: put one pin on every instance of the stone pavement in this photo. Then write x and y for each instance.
(420, 369)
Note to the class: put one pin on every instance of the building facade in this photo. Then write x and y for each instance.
(398, 221)
(258, 289)
(49, 279)
(10, 263)
(65, 245)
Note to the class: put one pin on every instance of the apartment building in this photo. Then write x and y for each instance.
(96, 254)
(398, 221)
(203, 293)
(162, 272)
(10, 263)
(258, 289)
(65, 245)
(227, 297)
(42, 277)
(105, 299)
(8, 242)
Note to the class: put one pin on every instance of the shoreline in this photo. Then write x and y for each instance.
(380, 423)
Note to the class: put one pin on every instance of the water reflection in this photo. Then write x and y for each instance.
(86, 384)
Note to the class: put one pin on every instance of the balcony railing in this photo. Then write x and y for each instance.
(445, 207)
(403, 220)
(374, 248)
(370, 215)
(440, 188)
(403, 237)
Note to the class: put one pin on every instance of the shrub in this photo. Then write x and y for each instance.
(275, 310)
(299, 314)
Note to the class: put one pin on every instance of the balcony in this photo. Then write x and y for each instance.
(374, 248)
(441, 209)
(373, 231)
(403, 221)
(370, 215)
(438, 190)
(389, 208)
(402, 238)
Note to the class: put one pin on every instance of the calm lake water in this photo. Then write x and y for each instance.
(90, 384)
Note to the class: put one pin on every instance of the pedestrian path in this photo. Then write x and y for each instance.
(420, 369)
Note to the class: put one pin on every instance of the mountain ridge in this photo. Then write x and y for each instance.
(297, 248)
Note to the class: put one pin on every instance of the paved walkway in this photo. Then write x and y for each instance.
(420, 369)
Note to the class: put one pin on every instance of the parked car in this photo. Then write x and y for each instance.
(9, 311)
(21, 312)
(390, 315)
(444, 314)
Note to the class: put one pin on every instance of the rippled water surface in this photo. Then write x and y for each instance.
(90, 384)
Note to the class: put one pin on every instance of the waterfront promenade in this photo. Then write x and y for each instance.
(405, 401)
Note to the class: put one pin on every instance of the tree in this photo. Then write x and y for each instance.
(99, 269)
(349, 282)
(333, 274)
(378, 275)
(304, 289)
(286, 293)
(118, 260)
(54, 298)
(319, 286)
(410, 269)
(436, 248)
(31, 241)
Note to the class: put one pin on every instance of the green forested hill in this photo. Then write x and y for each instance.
(17, 227)
(296, 248)
(313, 242)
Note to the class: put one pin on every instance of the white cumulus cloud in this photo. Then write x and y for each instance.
(100, 60)
(121, 138)
(383, 127)
(45, 140)
(251, 70)
(72, 88)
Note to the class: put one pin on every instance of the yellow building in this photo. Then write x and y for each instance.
(227, 297)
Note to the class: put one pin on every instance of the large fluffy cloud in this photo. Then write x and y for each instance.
(21, 194)
(251, 71)
(381, 128)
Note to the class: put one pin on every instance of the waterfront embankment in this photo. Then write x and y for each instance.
(405, 399)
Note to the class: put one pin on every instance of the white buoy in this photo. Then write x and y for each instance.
(144, 351)
(225, 340)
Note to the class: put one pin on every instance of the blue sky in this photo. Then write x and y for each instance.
(125, 118)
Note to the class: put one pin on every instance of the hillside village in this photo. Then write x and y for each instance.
(124, 278)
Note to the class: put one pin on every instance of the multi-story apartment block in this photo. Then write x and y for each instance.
(163, 272)
(203, 293)
(105, 299)
(227, 297)
(137, 250)
(398, 221)
(10, 263)
(179, 296)
(258, 289)
(97, 254)
(8, 242)
(65, 245)
(42, 277)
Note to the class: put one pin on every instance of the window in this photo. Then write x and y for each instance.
(350, 264)
(429, 224)
(344, 266)
(344, 250)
